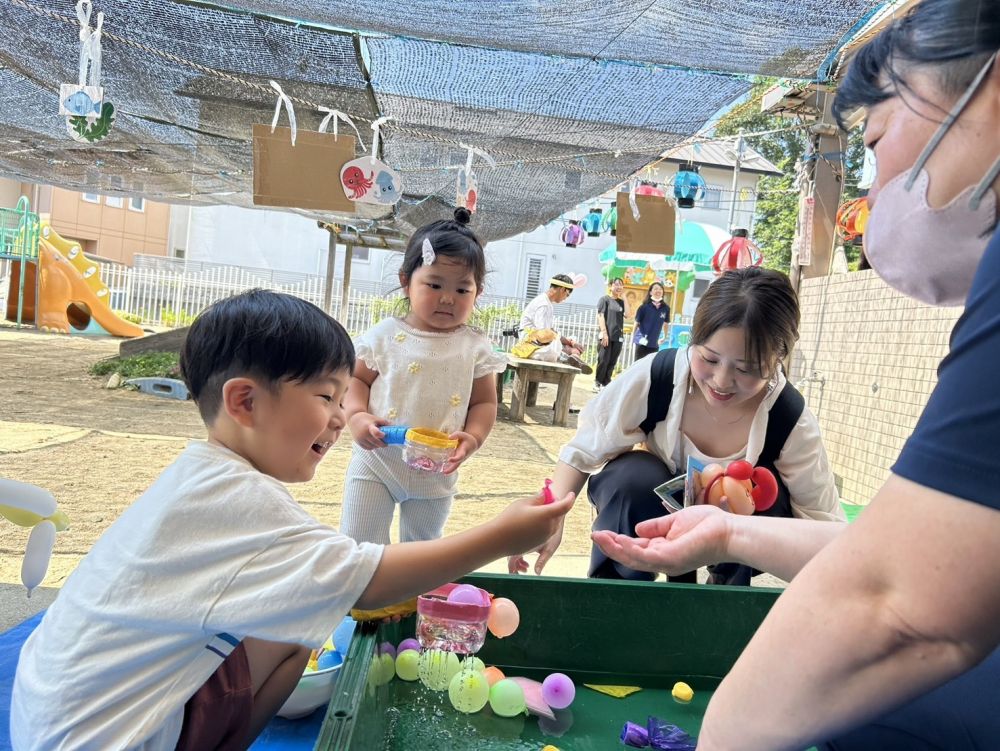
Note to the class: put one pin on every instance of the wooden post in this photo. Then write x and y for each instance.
(331, 263)
(346, 287)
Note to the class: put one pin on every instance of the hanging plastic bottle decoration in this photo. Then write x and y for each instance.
(369, 179)
(89, 117)
(689, 186)
(466, 184)
(852, 218)
(573, 235)
(610, 221)
(592, 222)
(738, 252)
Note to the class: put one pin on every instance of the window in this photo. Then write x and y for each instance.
(115, 202)
(137, 203)
(712, 199)
(178, 252)
(91, 198)
(533, 280)
(361, 254)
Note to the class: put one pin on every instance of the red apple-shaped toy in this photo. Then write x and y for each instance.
(746, 488)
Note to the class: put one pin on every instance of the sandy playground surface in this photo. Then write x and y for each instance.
(97, 450)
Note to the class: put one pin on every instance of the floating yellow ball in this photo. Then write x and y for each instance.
(408, 665)
(437, 668)
(469, 691)
(386, 669)
(682, 693)
(473, 663)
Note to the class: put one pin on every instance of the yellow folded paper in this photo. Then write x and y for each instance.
(619, 692)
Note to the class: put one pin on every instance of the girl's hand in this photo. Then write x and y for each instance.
(683, 541)
(365, 430)
(468, 444)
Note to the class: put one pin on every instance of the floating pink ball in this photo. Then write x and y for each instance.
(504, 618)
(467, 594)
(408, 644)
(558, 691)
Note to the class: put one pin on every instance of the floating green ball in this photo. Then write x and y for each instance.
(469, 691)
(474, 664)
(507, 698)
(437, 668)
(408, 665)
(386, 668)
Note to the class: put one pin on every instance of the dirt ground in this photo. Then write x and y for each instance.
(97, 450)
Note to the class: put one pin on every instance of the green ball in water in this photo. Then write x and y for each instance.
(386, 668)
(469, 691)
(507, 698)
(437, 668)
(473, 663)
(408, 665)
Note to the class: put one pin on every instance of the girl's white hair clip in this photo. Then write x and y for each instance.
(427, 252)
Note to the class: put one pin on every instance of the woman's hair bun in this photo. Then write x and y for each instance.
(462, 215)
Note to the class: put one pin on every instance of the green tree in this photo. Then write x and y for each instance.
(777, 197)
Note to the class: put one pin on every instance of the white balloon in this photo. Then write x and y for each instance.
(37, 554)
(27, 497)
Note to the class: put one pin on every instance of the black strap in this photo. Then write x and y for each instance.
(661, 389)
(785, 412)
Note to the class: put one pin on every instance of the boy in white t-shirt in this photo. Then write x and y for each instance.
(190, 621)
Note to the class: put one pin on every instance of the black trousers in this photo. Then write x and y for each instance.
(641, 352)
(623, 494)
(607, 358)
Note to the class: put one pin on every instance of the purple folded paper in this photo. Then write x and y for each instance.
(666, 737)
(635, 735)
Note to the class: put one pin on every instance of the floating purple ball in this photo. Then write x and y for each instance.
(408, 644)
(558, 691)
(385, 648)
(467, 594)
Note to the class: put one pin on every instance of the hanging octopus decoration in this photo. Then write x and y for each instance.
(355, 181)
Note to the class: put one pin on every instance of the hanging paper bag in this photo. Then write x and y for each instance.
(367, 180)
(652, 232)
(302, 176)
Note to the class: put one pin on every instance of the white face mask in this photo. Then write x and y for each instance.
(926, 253)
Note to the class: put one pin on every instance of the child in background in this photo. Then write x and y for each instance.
(428, 369)
(649, 320)
(191, 619)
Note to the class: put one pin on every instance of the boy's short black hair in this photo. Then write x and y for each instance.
(264, 335)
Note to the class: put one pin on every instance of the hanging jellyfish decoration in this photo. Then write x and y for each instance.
(852, 218)
(573, 235)
(689, 186)
(738, 252)
(592, 222)
(610, 221)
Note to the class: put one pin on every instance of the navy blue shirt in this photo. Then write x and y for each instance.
(649, 322)
(955, 447)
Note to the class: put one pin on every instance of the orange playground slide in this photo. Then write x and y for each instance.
(67, 302)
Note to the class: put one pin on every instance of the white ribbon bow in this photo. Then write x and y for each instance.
(283, 99)
(336, 115)
(90, 45)
(376, 126)
(473, 150)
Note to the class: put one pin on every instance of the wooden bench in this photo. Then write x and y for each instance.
(527, 375)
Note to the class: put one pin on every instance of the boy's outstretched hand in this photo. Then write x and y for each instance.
(683, 541)
(529, 522)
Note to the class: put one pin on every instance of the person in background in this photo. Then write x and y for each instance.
(649, 320)
(611, 323)
(539, 339)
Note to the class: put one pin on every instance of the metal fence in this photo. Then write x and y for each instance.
(172, 294)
